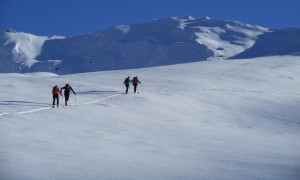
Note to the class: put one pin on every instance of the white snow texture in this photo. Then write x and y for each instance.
(236, 119)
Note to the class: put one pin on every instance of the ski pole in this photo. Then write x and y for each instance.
(140, 86)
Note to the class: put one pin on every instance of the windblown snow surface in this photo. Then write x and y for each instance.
(235, 119)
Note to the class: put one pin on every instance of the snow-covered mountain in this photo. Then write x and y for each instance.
(160, 42)
(277, 42)
(19, 51)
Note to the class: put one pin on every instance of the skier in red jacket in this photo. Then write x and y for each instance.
(55, 93)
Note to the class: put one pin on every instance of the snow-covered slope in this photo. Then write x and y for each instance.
(160, 42)
(223, 38)
(19, 50)
(277, 42)
(236, 119)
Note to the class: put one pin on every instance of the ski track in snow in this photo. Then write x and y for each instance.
(44, 109)
(102, 99)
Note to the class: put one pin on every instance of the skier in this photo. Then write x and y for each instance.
(55, 93)
(67, 89)
(126, 82)
(135, 82)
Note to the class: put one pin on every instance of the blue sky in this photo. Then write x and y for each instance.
(75, 17)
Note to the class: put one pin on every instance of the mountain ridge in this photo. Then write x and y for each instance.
(166, 41)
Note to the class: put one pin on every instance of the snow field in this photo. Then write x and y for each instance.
(234, 119)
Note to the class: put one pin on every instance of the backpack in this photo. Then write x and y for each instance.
(67, 88)
(127, 80)
(55, 90)
(135, 80)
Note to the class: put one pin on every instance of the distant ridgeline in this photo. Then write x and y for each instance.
(160, 42)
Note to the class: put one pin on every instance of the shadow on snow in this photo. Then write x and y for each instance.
(22, 103)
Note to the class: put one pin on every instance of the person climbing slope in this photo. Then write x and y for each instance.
(67, 88)
(55, 94)
(126, 82)
(135, 82)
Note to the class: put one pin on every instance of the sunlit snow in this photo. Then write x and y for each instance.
(236, 119)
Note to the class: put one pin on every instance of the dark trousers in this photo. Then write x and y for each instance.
(127, 86)
(55, 96)
(67, 95)
(134, 88)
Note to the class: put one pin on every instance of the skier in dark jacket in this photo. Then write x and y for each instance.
(135, 82)
(55, 93)
(67, 89)
(126, 82)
